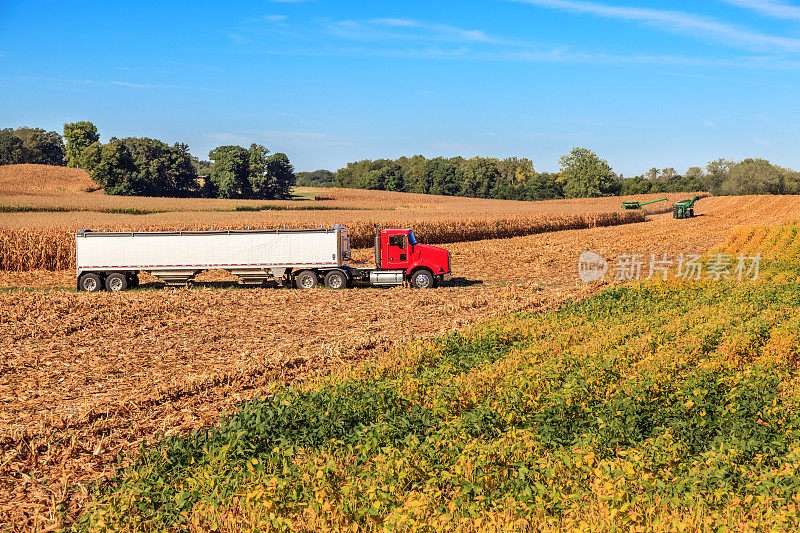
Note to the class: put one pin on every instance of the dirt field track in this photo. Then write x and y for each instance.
(85, 377)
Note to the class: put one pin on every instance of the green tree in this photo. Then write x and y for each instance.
(11, 151)
(91, 156)
(445, 176)
(230, 169)
(317, 178)
(262, 184)
(79, 137)
(375, 180)
(717, 171)
(417, 179)
(114, 167)
(480, 177)
(667, 174)
(755, 176)
(395, 179)
(143, 167)
(39, 146)
(541, 186)
(352, 176)
(585, 175)
(281, 176)
(636, 185)
(695, 172)
(237, 172)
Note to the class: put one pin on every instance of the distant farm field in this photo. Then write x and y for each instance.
(42, 187)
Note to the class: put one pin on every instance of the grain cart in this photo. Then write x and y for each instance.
(306, 257)
(684, 208)
(638, 205)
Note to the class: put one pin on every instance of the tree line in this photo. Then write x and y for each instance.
(149, 167)
(582, 174)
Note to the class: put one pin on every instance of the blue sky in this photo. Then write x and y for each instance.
(641, 83)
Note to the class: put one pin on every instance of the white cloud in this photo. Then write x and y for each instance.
(770, 8)
(273, 18)
(677, 22)
(380, 37)
(60, 80)
(408, 23)
(763, 142)
(710, 124)
(237, 38)
(443, 30)
(157, 86)
(119, 84)
(410, 29)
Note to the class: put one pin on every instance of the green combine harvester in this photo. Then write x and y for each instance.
(638, 205)
(684, 208)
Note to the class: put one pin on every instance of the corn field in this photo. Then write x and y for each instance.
(53, 248)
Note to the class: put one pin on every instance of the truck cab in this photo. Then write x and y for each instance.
(397, 251)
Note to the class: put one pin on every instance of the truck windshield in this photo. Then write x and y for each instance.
(411, 238)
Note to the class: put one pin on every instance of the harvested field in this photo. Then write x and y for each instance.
(85, 377)
(45, 180)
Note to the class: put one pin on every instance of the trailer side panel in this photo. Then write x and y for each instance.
(201, 250)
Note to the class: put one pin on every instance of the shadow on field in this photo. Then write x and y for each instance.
(460, 282)
(232, 284)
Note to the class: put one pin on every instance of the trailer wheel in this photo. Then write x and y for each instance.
(116, 282)
(422, 279)
(307, 279)
(336, 279)
(90, 283)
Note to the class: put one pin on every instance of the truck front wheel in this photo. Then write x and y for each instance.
(307, 279)
(422, 279)
(336, 279)
(90, 283)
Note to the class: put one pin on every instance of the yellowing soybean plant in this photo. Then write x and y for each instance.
(648, 406)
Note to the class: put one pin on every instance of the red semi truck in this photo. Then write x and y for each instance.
(307, 258)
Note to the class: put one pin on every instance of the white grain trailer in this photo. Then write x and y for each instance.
(114, 259)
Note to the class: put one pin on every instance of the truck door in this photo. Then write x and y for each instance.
(397, 253)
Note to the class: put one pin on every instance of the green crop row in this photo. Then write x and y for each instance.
(658, 405)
